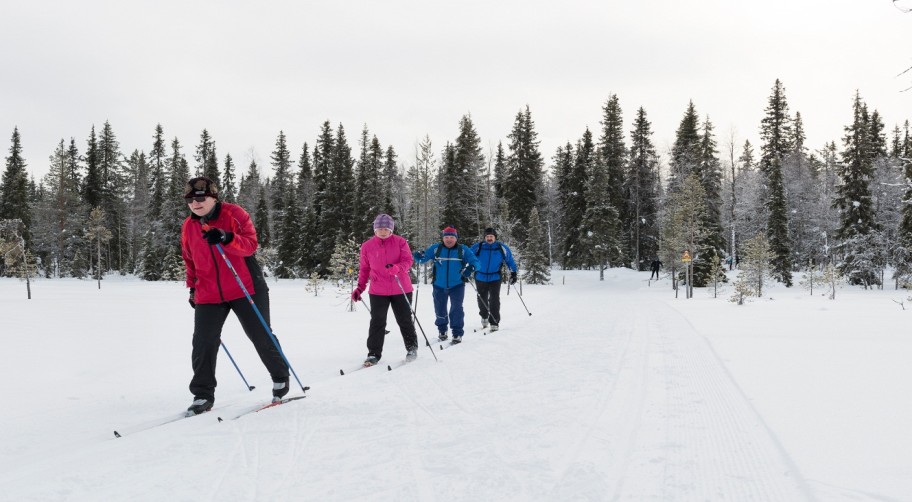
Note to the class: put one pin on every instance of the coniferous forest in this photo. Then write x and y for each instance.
(607, 198)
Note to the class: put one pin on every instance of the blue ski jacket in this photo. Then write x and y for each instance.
(448, 265)
(491, 256)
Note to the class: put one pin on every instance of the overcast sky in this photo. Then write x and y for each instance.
(245, 70)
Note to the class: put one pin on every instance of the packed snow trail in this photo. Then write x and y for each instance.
(622, 402)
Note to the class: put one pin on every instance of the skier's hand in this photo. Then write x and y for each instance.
(512, 277)
(418, 255)
(392, 270)
(192, 299)
(217, 236)
(467, 272)
(356, 295)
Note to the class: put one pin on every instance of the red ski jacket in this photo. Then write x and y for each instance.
(206, 270)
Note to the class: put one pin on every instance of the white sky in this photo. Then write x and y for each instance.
(245, 70)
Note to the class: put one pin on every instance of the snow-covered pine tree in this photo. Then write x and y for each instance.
(523, 186)
(643, 192)
(153, 250)
(612, 156)
(562, 182)
(601, 222)
(461, 177)
(423, 210)
(853, 199)
(280, 195)
(683, 223)
(756, 265)
(686, 151)
(229, 187)
(574, 255)
(206, 160)
(345, 260)
(369, 189)
(902, 252)
(535, 253)
(97, 231)
(14, 199)
(136, 172)
(775, 132)
(59, 216)
(173, 213)
(709, 172)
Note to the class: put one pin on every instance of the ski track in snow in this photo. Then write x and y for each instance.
(627, 402)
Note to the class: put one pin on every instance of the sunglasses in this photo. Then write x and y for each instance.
(198, 198)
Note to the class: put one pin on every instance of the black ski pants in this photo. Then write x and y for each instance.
(489, 301)
(207, 334)
(402, 310)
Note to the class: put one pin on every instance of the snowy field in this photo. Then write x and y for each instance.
(611, 390)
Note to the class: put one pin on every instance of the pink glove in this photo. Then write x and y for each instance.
(356, 295)
(392, 269)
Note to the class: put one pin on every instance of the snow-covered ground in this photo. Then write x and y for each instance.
(611, 390)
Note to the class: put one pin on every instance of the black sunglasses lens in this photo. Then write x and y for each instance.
(201, 198)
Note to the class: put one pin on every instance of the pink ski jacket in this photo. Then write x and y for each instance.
(376, 254)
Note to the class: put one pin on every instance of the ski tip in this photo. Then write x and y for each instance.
(116, 434)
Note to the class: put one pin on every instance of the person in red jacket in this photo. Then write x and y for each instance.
(386, 257)
(214, 292)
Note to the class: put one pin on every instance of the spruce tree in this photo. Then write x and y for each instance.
(93, 182)
(642, 228)
(390, 181)
(325, 227)
(775, 132)
(613, 159)
(523, 189)
(14, 196)
(853, 199)
(228, 189)
(709, 171)
(601, 222)
(154, 251)
(465, 184)
(686, 151)
(59, 217)
(584, 161)
(369, 187)
(563, 165)
(535, 253)
(282, 194)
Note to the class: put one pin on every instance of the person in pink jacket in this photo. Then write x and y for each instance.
(386, 257)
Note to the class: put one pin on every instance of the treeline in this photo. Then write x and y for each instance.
(605, 199)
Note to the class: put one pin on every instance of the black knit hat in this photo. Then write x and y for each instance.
(490, 231)
(200, 186)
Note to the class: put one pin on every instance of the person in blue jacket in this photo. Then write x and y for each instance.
(453, 265)
(491, 255)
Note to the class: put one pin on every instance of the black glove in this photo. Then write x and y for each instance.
(217, 236)
(512, 277)
(192, 299)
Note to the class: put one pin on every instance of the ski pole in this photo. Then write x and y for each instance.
(249, 387)
(428, 342)
(257, 311)
(521, 299)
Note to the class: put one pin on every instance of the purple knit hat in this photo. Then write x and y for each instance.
(384, 221)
